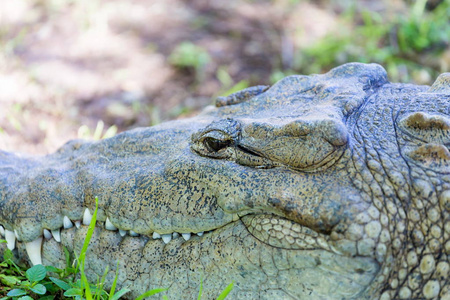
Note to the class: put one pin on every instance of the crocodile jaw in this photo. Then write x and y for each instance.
(227, 254)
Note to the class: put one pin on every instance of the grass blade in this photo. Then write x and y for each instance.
(113, 287)
(82, 257)
(119, 294)
(90, 231)
(151, 293)
(226, 291)
(201, 289)
(98, 293)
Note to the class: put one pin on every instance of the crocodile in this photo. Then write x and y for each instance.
(331, 186)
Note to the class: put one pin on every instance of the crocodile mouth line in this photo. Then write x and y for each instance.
(34, 247)
(269, 229)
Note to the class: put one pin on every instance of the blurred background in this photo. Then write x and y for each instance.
(92, 68)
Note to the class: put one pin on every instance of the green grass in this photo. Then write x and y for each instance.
(48, 282)
(85, 133)
(408, 44)
(187, 55)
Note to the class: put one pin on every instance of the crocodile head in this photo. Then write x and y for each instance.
(333, 186)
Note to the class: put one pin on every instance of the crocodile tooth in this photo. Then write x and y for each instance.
(122, 232)
(34, 251)
(57, 235)
(175, 235)
(166, 237)
(10, 238)
(186, 236)
(87, 217)
(132, 233)
(17, 236)
(2, 230)
(67, 223)
(200, 233)
(156, 235)
(78, 224)
(109, 225)
(47, 234)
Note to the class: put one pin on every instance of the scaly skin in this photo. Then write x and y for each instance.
(333, 186)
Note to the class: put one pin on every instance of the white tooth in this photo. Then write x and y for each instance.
(87, 217)
(186, 236)
(78, 224)
(166, 238)
(200, 233)
(17, 236)
(122, 232)
(67, 223)
(109, 225)
(34, 251)
(57, 235)
(175, 235)
(10, 238)
(47, 234)
(132, 233)
(156, 235)
(2, 230)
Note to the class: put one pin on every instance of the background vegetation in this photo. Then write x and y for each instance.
(90, 68)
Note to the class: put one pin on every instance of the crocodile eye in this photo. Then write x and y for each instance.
(214, 145)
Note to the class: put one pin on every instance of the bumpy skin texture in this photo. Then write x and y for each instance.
(333, 186)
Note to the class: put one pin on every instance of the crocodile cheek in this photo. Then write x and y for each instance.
(283, 233)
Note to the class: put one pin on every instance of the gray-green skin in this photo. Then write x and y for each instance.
(333, 186)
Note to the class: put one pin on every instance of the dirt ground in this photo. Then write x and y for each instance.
(69, 67)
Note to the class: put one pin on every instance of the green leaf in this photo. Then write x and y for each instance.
(53, 269)
(39, 289)
(77, 284)
(9, 280)
(49, 297)
(36, 273)
(61, 283)
(73, 292)
(67, 256)
(25, 298)
(119, 294)
(151, 293)
(226, 291)
(16, 293)
(7, 255)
